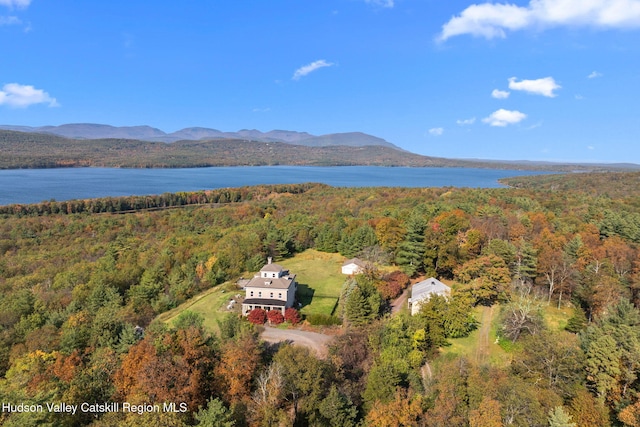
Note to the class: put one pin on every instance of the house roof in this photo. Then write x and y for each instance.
(271, 282)
(355, 261)
(264, 301)
(428, 287)
(272, 268)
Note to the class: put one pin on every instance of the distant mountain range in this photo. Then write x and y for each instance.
(87, 144)
(20, 149)
(148, 133)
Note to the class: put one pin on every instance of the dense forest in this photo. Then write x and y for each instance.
(81, 287)
(21, 150)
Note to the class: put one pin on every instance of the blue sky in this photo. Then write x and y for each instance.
(554, 80)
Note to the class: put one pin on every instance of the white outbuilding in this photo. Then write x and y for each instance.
(353, 266)
(422, 292)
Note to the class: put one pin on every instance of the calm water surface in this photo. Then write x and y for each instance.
(37, 185)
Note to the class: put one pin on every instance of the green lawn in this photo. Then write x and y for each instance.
(319, 280)
(556, 318)
(480, 346)
(211, 304)
(319, 284)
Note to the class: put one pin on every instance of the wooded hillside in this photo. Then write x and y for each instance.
(76, 289)
(34, 150)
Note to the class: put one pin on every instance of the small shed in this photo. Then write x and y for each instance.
(353, 266)
(422, 291)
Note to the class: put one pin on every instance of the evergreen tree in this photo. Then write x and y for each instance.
(559, 418)
(572, 248)
(577, 322)
(357, 308)
(612, 347)
(524, 266)
(381, 383)
(353, 243)
(411, 250)
(338, 409)
(327, 239)
(502, 249)
(215, 414)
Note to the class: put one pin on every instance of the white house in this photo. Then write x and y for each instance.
(422, 291)
(353, 266)
(272, 289)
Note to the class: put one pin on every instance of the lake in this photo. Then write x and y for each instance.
(37, 185)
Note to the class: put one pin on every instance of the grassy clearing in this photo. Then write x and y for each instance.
(319, 280)
(481, 345)
(556, 318)
(319, 284)
(211, 304)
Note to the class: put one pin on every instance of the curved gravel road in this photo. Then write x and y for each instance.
(313, 340)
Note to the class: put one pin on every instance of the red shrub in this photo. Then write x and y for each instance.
(257, 316)
(275, 317)
(393, 284)
(292, 316)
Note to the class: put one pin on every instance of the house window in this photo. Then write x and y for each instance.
(251, 293)
(279, 295)
(274, 275)
(259, 294)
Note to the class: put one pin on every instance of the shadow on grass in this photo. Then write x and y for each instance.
(311, 300)
(304, 295)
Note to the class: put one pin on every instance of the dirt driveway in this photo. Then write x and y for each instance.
(482, 351)
(313, 340)
(400, 302)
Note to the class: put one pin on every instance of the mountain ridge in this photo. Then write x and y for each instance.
(148, 133)
(20, 150)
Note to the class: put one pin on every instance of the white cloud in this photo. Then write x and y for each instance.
(9, 20)
(464, 122)
(309, 68)
(579, 97)
(15, 3)
(500, 94)
(544, 87)
(503, 118)
(490, 20)
(383, 3)
(436, 131)
(534, 126)
(21, 96)
(591, 147)
(594, 74)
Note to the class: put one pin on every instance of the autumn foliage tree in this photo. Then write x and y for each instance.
(405, 410)
(174, 366)
(487, 414)
(486, 278)
(392, 284)
(239, 360)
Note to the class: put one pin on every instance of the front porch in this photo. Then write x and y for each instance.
(263, 303)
